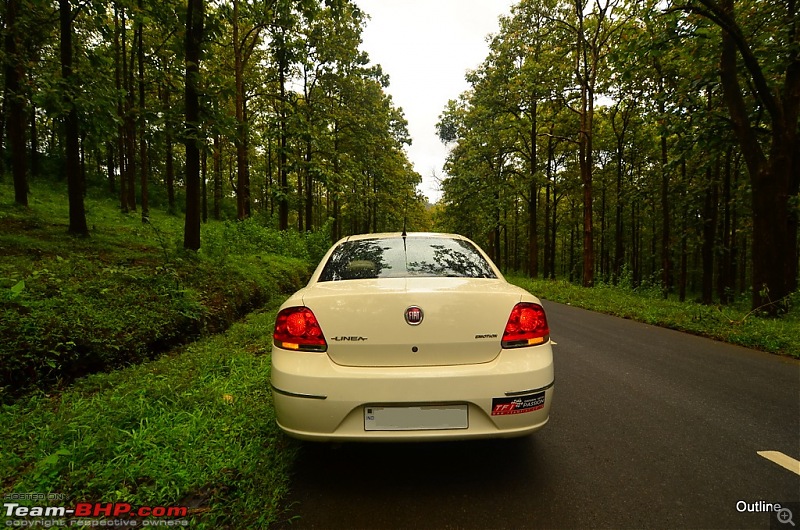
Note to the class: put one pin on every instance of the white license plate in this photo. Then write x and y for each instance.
(415, 418)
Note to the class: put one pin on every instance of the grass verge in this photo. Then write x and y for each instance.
(725, 323)
(72, 306)
(192, 429)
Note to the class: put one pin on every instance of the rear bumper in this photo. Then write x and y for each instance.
(316, 399)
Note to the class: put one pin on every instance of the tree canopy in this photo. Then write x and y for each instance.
(645, 142)
(239, 107)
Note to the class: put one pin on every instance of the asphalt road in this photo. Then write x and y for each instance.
(649, 428)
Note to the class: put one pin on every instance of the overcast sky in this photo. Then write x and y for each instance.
(426, 47)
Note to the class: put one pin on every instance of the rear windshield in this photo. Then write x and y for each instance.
(399, 257)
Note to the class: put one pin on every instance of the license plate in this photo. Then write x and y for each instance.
(415, 418)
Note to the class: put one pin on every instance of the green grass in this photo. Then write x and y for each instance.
(191, 429)
(732, 324)
(71, 306)
(155, 422)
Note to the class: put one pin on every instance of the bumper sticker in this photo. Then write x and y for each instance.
(517, 405)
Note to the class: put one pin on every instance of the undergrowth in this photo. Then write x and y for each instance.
(72, 306)
(192, 429)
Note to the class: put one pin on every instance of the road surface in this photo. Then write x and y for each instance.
(649, 428)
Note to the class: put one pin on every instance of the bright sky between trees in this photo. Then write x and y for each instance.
(426, 47)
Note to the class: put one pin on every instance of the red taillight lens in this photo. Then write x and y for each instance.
(527, 326)
(296, 328)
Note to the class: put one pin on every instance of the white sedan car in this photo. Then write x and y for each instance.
(410, 337)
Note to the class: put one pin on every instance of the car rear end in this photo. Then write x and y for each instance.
(411, 356)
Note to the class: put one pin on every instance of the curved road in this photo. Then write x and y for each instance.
(650, 428)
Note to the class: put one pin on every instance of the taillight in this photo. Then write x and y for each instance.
(296, 328)
(527, 326)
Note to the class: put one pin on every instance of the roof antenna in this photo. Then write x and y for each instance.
(405, 216)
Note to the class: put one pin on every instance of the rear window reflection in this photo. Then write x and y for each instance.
(399, 258)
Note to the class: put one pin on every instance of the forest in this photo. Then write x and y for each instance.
(189, 104)
(615, 141)
(639, 142)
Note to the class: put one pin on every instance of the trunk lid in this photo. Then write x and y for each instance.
(365, 325)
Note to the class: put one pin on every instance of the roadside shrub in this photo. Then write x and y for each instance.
(73, 317)
(255, 235)
(250, 237)
(72, 306)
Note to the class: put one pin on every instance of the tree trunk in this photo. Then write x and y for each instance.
(724, 287)
(143, 169)
(269, 179)
(204, 184)
(636, 245)
(336, 226)
(666, 264)
(169, 161)
(14, 75)
(283, 199)
(496, 230)
(547, 242)
(241, 138)
(120, 141)
(129, 124)
(3, 112)
(217, 178)
(585, 154)
(82, 159)
(585, 71)
(300, 208)
(533, 190)
(553, 214)
(505, 240)
(710, 209)
(110, 167)
(77, 211)
(619, 229)
(775, 180)
(34, 144)
(684, 254)
(194, 37)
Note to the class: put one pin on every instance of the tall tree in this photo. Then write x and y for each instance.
(193, 47)
(282, 27)
(122, 153)
(244, 42)
(15, 100)
(143, 163)
(75, 183)
(594, 29)
(773, 160)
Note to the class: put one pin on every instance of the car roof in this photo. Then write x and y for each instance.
(385, 235)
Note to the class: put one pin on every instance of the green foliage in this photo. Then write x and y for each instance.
(646, 304)
(195, 429)
(342, 137)
(671, 148)
(253, 236)
(75, 306)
